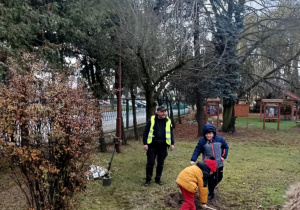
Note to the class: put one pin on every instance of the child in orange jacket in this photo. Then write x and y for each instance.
(195, 178)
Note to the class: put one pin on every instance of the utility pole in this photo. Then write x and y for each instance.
(119, 108)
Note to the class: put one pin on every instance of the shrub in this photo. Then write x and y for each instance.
(48, 133)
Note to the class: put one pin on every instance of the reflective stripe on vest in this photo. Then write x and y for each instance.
(168, 131)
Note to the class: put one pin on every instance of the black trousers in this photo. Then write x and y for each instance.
(214, 180)
(154, 152)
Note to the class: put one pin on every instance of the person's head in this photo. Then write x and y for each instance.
(209, 131)
(212, 164)
(161, 112)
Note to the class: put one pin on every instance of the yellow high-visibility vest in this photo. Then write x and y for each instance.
(168, 131)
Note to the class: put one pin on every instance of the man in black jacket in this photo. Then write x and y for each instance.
(157, 138)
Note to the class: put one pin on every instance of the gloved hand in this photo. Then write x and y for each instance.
(192, 162)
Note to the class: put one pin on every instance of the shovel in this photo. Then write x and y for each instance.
(207, 207)
(107, 178)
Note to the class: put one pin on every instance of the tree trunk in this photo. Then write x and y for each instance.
(150, 105)
(124, 139)
(178, 110)
(136, 135)
(228, 117)
(24, 132)
(200, 98)
(166, 99)
(200, 113)
(171, 113)
(102, 145)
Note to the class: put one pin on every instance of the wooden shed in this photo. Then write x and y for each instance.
(241, 109)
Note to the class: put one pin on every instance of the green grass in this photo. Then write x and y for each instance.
(259, 174)
(257, 123)
(260, 166)
(127, 190)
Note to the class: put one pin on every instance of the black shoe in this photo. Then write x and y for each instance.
(159, 183)
(147, 183)
(211, 196)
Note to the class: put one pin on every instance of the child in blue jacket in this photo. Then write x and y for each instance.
(209, 146)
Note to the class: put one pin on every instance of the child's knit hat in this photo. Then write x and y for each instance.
(212, 164)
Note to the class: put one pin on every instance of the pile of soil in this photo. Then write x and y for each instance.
(175, 200)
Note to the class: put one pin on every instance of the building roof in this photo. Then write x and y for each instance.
(272, 100)
(292, 95)
(213, 100)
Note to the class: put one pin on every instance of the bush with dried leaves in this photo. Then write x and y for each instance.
(48, 133)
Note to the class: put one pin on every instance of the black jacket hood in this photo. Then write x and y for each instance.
(205, 170)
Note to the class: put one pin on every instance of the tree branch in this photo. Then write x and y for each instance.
(268, 74)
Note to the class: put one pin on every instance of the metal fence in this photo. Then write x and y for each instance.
(109, 115)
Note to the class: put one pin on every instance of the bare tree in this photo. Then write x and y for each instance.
(269, 50)
(151, 46)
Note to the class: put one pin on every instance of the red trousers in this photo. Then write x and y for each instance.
(189, 203)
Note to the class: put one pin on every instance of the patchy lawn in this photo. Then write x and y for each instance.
(11, 196)
(260, 166)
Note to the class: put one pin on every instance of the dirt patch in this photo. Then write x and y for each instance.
(11, 195)
(296, 128)
(175, 200)
(189, 131)
(186, 132)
